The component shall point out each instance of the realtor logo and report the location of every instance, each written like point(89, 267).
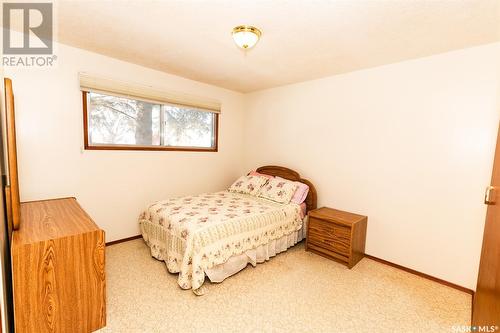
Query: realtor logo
point(28, 32)
point(35, 22)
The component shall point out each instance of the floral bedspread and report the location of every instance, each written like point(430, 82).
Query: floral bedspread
point(195, 233)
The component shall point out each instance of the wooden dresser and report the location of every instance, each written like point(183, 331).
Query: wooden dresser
point(337, 235)
point(58, 269)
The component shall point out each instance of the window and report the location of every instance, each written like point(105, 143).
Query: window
point(113, 122)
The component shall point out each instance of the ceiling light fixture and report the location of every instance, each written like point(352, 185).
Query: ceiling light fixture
point(246, 36)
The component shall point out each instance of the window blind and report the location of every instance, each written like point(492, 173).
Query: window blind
point(145, 93)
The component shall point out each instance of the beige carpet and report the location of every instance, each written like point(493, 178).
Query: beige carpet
point(296, 291)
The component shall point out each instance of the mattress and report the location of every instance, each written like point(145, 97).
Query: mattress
point(197, 233)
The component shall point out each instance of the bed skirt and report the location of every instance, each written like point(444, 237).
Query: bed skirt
point(255, 256)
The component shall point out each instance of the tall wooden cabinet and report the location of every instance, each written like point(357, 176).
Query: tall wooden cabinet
point(57, 256)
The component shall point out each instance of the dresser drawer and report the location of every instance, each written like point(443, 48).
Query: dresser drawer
point(331, 236)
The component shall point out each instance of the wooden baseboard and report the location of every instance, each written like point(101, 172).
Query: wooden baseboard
point(425, 276)
point(123, 240)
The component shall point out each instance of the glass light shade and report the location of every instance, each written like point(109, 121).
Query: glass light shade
point(246, 36)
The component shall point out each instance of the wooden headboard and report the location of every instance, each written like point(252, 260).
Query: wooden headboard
point(273, 170)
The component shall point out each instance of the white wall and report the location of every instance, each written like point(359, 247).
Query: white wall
point(409, 144)
point(113, 186)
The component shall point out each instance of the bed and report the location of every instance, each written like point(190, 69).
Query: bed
point(216, 235)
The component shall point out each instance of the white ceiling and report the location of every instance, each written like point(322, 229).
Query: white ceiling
point(301, 40)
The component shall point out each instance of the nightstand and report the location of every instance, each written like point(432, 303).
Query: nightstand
point(337, 235)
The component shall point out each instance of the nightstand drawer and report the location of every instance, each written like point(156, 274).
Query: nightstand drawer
point(325, 226)
point(327, 252)
point(330, 236)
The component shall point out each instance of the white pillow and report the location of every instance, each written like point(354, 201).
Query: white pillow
point(300, 194)
point(248, 185)
point(279, 190)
